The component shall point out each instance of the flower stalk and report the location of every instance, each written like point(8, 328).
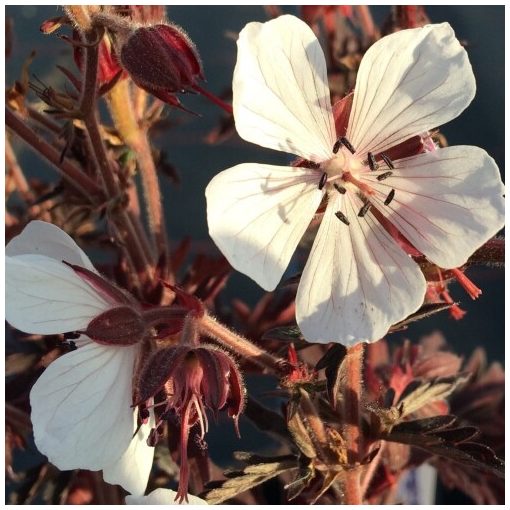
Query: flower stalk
point(124, 222)
point(352, 396)
point(120, 102)
point(212, 328)
point(81, 182)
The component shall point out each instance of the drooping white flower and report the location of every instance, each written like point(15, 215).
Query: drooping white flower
point(162, 497)
point(81, 405)
point(358, 281)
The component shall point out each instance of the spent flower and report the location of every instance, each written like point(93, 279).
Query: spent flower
point(194, 377)
point(379, 207)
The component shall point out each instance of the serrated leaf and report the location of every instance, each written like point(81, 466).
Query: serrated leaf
point(332, 363)
point(479, 456)
point(301, 437)
point(252, 475)
point(427, 310)
point(430, 391)
point(425, 425)
point(303, 478)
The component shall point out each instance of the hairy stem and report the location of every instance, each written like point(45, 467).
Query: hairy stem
point(134, 135)
point(123, 221)
point(351, 392)
point(240, 345)
point(81, 182)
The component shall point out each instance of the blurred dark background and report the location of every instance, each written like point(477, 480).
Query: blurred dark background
point(214, 29)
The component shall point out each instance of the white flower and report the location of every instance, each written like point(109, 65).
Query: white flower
point(162, 497)
point(357, 281)
point(81, 405)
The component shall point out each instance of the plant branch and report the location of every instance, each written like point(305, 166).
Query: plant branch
point(80, 181)
point(134, 135)
point(351, 392)
point(123, 221)
point(240, 345)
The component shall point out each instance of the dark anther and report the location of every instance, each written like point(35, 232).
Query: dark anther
point(371, 162)
point(337, 146)
point(346, 142)
point(341, 216)
point(339, 188)
point(322, 182)
point(383, 176)
point(72, 335)
point(364, 209)
point(389, 198)
point(387, 160)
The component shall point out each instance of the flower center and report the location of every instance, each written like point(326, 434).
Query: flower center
point(343, 171)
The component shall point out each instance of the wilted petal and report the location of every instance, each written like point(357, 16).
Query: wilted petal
point(81, 407)
point(257, 215)
point(45, 296)
point(357, 281)
point(133, 468)
point(162, 497)
point(280, 86)
point(447, 203)
point(43, 238)
point(409, 82)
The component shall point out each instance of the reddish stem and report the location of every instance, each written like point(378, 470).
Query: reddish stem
point(352, 389)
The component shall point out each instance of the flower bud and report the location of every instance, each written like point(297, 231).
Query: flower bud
point(161, 59)
point(122, 325)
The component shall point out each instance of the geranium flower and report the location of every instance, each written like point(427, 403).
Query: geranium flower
point(81, 405)
point(358, 280)
point(163, 497)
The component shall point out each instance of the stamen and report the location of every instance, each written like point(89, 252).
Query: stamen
point(383, 176)
point(364, 209)
point(341, 216)
point(322, 182)
point(387, 160)
point(339, 188)
point(466, 283)
point(372, 162)
point(348, 145)
point(337, 146)
point(389, 198)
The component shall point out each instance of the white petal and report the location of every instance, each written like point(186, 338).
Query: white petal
point(357, 281)
point(409, 82)
point(280, 88)
point(45, 296)
point(162, 497)
point(447, 202)
point(257, 215)
point(81, 407)
point(42, 238)
point(133, 468)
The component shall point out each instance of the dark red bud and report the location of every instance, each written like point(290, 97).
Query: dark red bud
point(158, 370)
point(119, 326)
point(161, 59)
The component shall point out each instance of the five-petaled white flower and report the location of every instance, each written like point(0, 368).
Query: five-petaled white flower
point(81, 405)
point(163, 497)
point(358, 281)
